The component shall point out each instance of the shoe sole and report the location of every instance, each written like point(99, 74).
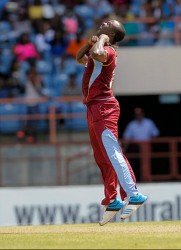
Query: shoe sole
point(109, 215)
point(129, 210)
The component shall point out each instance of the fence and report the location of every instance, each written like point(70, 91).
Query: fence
point(71, 162)
point(50, 114)
point(64, 162)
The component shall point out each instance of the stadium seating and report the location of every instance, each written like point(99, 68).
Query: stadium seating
point(6, 58)
point(42, 124)
point(12, 126)
point(54, 70)
point(59, 82)
point(44, 66)
point(75, 123)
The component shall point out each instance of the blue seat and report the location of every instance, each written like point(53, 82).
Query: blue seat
point(47, 81)
point(47, 55)
point(135, 8)
point(79, 78)
point(44, 66)
point(84, 11)
point(5, 26)
point(12, 126)
point(87, 14)
point(6, 59)
point(70, 66)
point(77, 123)
point(42, 124)
point(147, 38)
point(59, 82)
point(104, 9)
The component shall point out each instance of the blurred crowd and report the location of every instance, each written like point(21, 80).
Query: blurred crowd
point(39, 40)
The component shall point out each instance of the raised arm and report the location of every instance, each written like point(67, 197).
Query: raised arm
point(97, 51)
point(81, 56)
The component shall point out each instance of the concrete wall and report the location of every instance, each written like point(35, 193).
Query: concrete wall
point(148, 70)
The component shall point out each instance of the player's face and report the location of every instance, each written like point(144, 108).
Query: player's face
point(106, 25)
point(105, 28)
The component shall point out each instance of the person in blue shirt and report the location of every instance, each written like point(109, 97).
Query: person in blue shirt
point(141, 128)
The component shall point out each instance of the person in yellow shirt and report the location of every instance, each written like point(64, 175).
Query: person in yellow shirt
point(35, 10)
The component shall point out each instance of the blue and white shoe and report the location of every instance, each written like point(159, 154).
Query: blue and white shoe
point(132, 205)
point(111, 210)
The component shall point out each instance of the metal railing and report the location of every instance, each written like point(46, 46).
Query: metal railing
point(158, 160)
point(51, 116)
point(164, 151)
point(72, 162)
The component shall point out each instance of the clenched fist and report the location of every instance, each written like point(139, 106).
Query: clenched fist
point(93, 40)
point(105, 38)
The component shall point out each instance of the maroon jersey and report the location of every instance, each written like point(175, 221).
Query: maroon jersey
point(98, 77)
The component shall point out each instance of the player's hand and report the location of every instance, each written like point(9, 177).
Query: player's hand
point(104, 38)
point(93, 40)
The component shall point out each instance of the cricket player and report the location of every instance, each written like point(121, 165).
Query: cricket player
point(103, 110)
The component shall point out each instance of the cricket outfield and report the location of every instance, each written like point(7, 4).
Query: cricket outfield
point(126, 235)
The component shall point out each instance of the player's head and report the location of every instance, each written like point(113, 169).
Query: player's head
point(138, 113)
point(113, 29)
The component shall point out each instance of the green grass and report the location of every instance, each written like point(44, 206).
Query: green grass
point(128, 235)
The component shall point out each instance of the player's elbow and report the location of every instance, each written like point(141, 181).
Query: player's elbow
point(101, 57)
point(78, 60)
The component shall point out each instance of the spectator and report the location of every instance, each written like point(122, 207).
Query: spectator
point(25, 50)
point(16, 79)
point(165, 38)
point(140, 129)
point(35, 10)
point(44, 36)
point(177, 8)
point(71, 23)
point(59, 44)
point(21, 24)
point(4, 89)
point(162, 9)
point(75, 44)
point(72, 88)
point(33, 90)
point(2, 5)
point(57, 23)
point(11, 84)
point(48, 10)
point(146, 9)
